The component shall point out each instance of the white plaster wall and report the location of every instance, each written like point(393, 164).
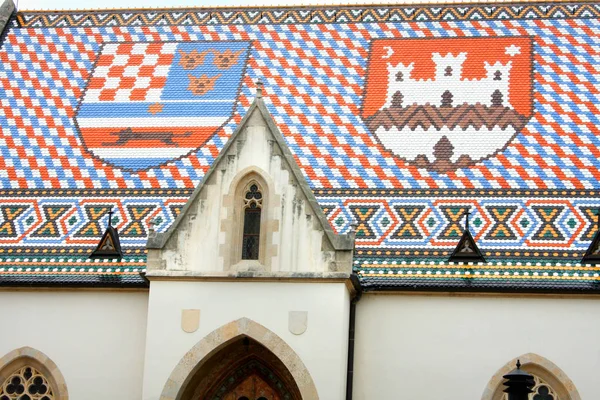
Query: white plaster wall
point(322, 348)
point(448, 347)
point(96, 338)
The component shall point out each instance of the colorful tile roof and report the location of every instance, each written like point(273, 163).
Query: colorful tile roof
point(400, 117)
point(69, 271)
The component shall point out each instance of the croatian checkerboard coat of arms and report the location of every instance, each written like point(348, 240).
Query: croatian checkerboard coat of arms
point(447, 103)
point(147, 103)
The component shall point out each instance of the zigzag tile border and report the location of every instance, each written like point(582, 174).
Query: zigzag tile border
point(79, 222)
point(420, 222)
point(496, 223)
point(316, 15)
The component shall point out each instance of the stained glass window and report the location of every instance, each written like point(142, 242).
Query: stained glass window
point(541, 391)
point(26, 384)
point(252, 213)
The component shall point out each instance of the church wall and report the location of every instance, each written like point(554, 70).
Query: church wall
point(442, 347)
point(322, 347)
point(96, 338)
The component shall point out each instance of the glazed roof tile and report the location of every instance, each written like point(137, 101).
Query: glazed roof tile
point(72, 272)
point(356, 92)
point(97, 280)
point(497, 275)
point(481, 285)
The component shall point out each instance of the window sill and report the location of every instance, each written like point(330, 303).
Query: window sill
point(248, 266)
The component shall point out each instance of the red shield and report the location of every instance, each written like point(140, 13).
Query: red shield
point(447, 103)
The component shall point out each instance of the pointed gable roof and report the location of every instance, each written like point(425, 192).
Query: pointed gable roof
point(339, 242)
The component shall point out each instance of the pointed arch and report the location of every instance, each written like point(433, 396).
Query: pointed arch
point(218, 339)
point(233, 223)
point(538, 366)
point(30, 357)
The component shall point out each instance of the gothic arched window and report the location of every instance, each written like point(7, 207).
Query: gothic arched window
point(541, 391)
point(252, 217)
point(550, 382)
point(26, 383)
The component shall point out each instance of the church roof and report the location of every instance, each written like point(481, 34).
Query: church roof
point(345, 242)
point(400, 117)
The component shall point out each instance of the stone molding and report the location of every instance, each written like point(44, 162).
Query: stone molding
point(254, 275)
point(193, 360)
point(27, 356)
point(7, 9)
point(232, 223)
point(538, 365)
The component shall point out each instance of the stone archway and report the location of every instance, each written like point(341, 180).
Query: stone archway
point(538, 366)
point(30, 357)
point(188, 378)
point(243, 369)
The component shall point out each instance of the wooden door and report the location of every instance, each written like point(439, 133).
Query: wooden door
point(252, 388)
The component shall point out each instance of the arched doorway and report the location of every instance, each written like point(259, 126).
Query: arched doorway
point(242, 370)
point(243, 359)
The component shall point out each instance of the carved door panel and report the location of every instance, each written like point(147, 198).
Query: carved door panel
point(244, 370)
point(252, 388)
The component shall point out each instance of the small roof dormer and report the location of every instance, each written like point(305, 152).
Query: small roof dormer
point(253, 212)
point(466, 250)
point(110, 245)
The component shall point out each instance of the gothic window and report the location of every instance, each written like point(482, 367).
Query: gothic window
point(26, 384)
point(252, 214)
point(541, 391)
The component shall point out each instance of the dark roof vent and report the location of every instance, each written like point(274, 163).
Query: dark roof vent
point(592, 255)
point(109, 246)
point(466, 250)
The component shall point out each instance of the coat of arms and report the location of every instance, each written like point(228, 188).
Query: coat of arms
point(147, 103)
point(443, 104)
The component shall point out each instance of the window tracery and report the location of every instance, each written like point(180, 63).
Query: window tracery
point(26, 383)
point(252, 216)
point(541, 391)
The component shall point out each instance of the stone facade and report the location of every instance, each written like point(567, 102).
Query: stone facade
point(296, 239)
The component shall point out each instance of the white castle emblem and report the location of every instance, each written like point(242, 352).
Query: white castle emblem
point(448, 121)
point(449, 79)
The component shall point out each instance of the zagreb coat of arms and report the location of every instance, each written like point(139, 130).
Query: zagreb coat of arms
point(147, 103)
point(447, 103)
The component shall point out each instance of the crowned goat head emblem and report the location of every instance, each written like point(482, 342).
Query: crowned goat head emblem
point(192, 59)
point(184, 93)
point(201, 85)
